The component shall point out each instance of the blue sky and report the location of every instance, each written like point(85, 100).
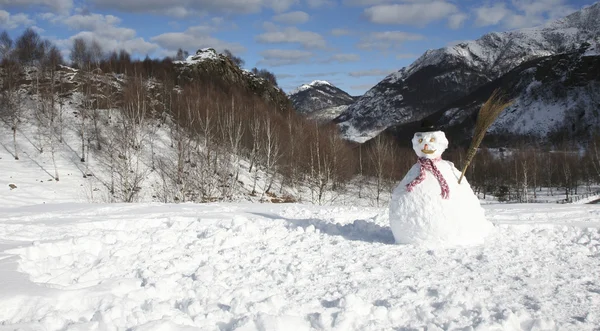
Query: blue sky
point(350, 43)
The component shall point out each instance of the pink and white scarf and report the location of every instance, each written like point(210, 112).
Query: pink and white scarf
point(427, 164)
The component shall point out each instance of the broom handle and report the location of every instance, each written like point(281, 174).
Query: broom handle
point(470, 155)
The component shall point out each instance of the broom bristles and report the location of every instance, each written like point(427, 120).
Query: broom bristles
point(488, 113)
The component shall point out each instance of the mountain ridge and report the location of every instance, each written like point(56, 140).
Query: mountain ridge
point(442, 76)
point(320, 100)
point(554, 97)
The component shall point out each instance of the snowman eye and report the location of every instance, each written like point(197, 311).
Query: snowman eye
point(420, 140)
point(432, 140)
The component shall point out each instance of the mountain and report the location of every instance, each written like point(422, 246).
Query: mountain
point(555, 96)
point(207, 63)
point(320, 100)
point(443, 76)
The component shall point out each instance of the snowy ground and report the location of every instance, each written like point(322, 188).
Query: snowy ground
point(291, 267)
point(66, 264)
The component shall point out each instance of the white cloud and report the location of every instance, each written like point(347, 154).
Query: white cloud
point(295, 17)
point(372, 72)
point(320, 3)
point(455, 21)
point(321, 74)
point(37, 29)
point(184, 8)
point(60, 6)
point(362, 87)
point(10, 21)
point(307, 39)
point(491, 15)
point(281, 57)
point(403, 56)
point(536, 7)
point(131, 45)
point(284, 76)
point(194, 38)
point(417, 14)
point(342, 58)
point(103, 29)
point(341, 32)
point(386, 40)
point(94, 22)
point(277, 5)
point(365, 2)
point(522, 13)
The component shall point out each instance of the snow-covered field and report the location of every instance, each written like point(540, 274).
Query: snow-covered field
point(68, 264)
point(291, 267)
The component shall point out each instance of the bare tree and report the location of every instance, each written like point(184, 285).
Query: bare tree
point(129, 137)
point(378, 154)
point(49, 120)
point(80, 55)
point(271, 152)
point(235, 59)
point(12, 111)
point(181, 55)
point(6, 45)
point(593, 151)
point(95, 54)
point(29, 47)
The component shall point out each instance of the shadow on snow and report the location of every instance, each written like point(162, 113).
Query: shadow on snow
point(359, 230)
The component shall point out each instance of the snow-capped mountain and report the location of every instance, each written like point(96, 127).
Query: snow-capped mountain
point(320, 99)
point(443, 76)
point(557, 95)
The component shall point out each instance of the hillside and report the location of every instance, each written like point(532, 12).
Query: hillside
point(320, 100)
point(443, 76)
point(555, 97)
point(108, 137)
point(208, 64)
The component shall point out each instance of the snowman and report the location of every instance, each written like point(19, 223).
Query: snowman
point(429, 207)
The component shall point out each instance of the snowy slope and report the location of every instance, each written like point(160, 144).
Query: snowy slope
point(442, 76)
point(319, 98)
point(204, 54)
point(290, 267)
point(328, 114)
point(552, 95)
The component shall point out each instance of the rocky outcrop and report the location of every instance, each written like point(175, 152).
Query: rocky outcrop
point(208, 64)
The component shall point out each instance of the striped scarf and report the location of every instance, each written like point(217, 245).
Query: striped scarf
point(427, 164)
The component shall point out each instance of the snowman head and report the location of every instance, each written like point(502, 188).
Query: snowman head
point(430, 143)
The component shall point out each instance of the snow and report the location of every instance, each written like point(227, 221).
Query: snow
point(351, 133)
point(328, 114)
point(538, 112)
point(593, 50)
point(69, 264)
point(319, 82)
point(492, 55)
point(312, 84)
point(421, 216)
point(200, 56)
point(236, 266)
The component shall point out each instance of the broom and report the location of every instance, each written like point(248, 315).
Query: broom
point(487, 115)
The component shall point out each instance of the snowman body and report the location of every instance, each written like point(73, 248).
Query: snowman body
point(421, 214)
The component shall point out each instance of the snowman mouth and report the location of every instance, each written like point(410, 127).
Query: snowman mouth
point(428, 151)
